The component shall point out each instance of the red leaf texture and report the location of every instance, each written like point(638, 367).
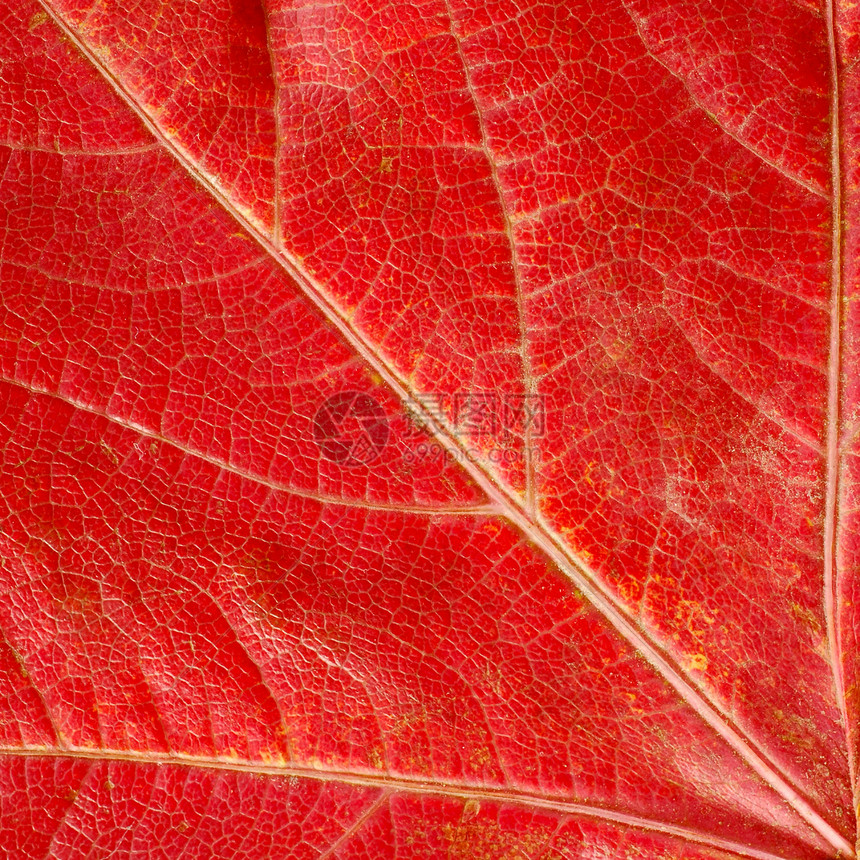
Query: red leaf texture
point(429, 430)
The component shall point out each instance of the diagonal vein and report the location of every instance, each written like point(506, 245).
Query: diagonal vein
point(388, 784)
point(814, 189)
point(770, 415)
point(533, 527)
point(356, 827)
point(68, 813)
point(55, 729)
point(253, 477)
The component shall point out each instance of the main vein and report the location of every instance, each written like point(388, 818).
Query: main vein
point(834, 392)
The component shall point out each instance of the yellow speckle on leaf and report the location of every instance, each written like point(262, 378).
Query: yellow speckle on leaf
point(274, 757)
point(696, 662)
point(111, 454)
point(471, 809)
point(376, 759)
point(491, 527)
point(478, 839)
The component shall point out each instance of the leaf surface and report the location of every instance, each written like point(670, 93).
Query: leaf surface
point(428, 430)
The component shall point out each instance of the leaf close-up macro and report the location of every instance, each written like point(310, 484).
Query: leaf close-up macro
point(429, 430)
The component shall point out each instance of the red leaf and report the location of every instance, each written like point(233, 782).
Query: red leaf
point(429, 430)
